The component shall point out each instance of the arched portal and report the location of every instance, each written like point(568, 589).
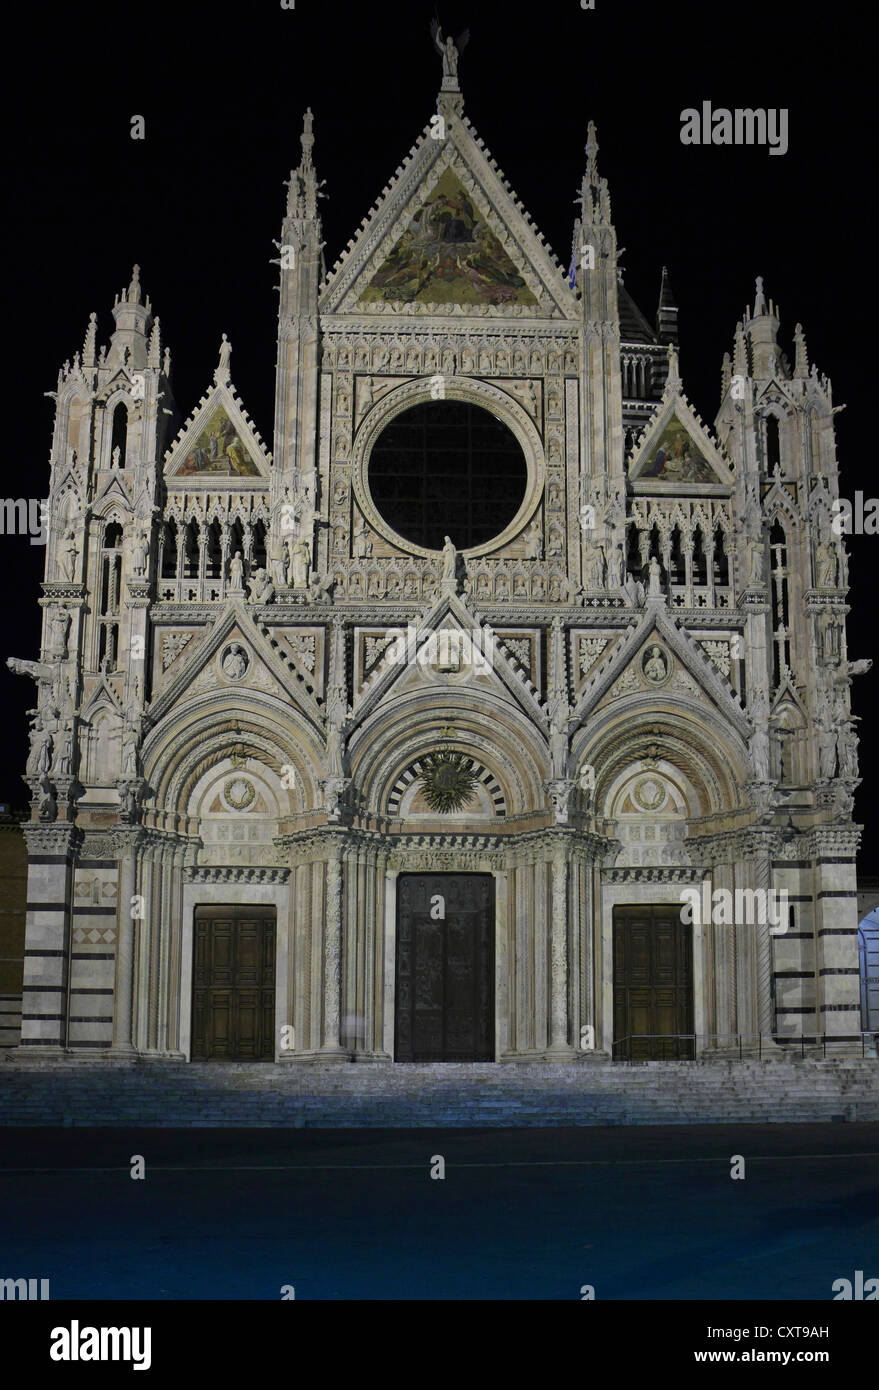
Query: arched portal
point(660, 778)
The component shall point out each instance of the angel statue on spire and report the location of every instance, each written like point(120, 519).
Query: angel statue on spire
point(449, 50)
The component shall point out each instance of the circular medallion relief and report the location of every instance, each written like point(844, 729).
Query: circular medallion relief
point(239, 793)
point(649, 794)
point(234, 662)
point(655, 665)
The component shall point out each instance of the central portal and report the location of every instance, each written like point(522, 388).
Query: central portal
point(445, 968)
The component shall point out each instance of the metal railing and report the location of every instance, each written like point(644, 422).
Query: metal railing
point(682, 1047)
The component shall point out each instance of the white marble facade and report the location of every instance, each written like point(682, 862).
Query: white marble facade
point(241, 670)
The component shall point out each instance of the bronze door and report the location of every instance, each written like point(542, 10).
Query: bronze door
point(445, 968)
point(652, 983)
point(233, 999)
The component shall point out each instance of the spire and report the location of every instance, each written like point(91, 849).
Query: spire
point(725, 376)
point(801, 356)
point(762, 331)
point(302, 189)
point(740, 352)
point(594, 195)
point(667, 313)
point(88, 347)
point(128, 344)
point(155, 346)
point(760, 300)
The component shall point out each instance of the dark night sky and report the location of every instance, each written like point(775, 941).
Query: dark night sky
point(198, 202)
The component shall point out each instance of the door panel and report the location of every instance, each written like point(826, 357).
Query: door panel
point(233, 1002)
point(445, 968)
point(652, 983)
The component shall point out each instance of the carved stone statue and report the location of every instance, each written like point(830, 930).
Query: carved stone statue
point(570, 591)
point(616, 568)
point(759, 746)
point(335, 742)
point(129, 754)
point(826, 565)
point(64, 755)
point(236, 572)
point(59, 623)
point(260, 586)
point(594, 566)
point(826, 749)
point(654, 589)
point(847, 750)
point(828, 629)
point(533, 541)
point(139, 552)
point(560, 790)
point(450, 559)
point(558, 746)
point(450, 52)
point(300, 563)
point(318, 588)
point(225, 352)
point(40, 759)
point(366, 397)
point(44, 757)
point(362, 544)
point(66, 554)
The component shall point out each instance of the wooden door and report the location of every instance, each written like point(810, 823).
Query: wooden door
point(652, 983)
point(233, 1001)
point(445, 968)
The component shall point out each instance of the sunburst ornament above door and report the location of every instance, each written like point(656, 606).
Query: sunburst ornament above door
point(447, 781)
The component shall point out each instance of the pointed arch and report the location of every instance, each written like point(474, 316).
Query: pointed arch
point(119, 432)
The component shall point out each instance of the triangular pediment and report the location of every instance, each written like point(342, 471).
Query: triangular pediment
point(449, 236)
point(787, 696)
point(218, 444)
point(238, 656)
point(657, 658)
point(450, 647)
point(775, 392)
point(780, 500)
point(114, 489)
point(675, 453)
point(102, 696)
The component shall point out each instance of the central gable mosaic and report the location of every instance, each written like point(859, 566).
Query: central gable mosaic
point(448, 255)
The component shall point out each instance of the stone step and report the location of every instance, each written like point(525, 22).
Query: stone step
point(41, 1092)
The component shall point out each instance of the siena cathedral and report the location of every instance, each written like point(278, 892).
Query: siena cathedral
point(410, 739)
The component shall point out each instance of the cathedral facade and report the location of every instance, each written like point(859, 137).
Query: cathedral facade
point(491, 714)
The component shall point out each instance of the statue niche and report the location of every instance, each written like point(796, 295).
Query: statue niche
point(102, 748)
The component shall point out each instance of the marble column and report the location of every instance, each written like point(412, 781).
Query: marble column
point(559, 1043)
point(332, 1045)
point(123, 1013)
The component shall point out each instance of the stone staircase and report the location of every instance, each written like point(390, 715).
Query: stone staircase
point(384, 1095)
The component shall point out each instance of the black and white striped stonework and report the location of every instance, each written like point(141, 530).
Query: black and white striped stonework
point(416, 770)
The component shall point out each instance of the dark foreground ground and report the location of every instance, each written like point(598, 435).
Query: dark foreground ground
point(640, 1213)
